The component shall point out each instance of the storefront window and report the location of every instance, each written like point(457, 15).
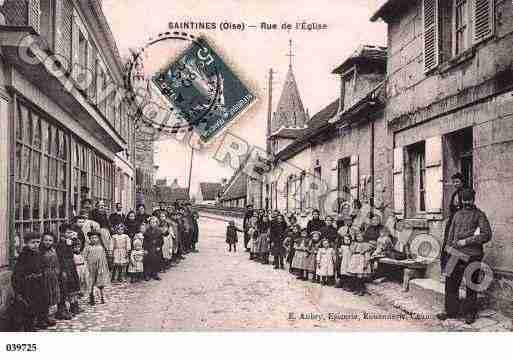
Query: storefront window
point(103, 177)
point(41, 173)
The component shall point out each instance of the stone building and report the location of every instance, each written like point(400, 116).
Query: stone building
point(65, 132)
point(449, 109)
point(341, 155)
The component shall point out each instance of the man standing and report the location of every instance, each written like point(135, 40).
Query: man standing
point(468, 232)
point(245, 225)
point(454, 206)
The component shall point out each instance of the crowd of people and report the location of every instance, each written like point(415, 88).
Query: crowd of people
point(341, 251)
point(95, 249)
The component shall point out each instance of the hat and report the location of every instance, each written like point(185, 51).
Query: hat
point(93, 232)
point(30, 236)
point(468, 194)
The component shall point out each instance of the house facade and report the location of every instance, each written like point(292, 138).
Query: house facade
point(343, 153)
point(66, 133)
point(449, 109)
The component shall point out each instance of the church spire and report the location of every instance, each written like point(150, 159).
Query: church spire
point(290, 111)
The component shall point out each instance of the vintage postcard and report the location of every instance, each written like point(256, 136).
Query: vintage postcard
point(178, 166)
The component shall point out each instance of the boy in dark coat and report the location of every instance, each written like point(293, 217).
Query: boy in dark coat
point(152, 245)
point(277, 234)
point(28, 285)
point(70, 282)
point(231, 236)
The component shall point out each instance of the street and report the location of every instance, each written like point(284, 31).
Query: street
point(218, 290)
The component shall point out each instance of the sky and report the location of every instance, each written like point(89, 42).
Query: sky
point(251, 53)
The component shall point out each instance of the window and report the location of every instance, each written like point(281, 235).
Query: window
point(103, 176)
point(349, 79)
point(344, 180)
point(80, 159)
point(41, 173)
point(460, 26)
point(452, 27)
point(416, 179)
point(82, 50)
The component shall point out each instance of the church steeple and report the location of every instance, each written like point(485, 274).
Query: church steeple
point(290, 111)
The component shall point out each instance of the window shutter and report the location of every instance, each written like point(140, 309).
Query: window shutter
point(431, 34)
point(334, 176)
point(63, 28)
point(75, 47)
point(34, 15)
point(399, 182)
point(434, 175)
point(353, 169)
point(91, 64)
point(483, 19)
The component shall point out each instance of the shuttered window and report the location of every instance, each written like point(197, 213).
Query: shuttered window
point(399, 182)
point(354, 176)
point(34, 15)
point(431, 34)
point(483, 11)
point(64, 27)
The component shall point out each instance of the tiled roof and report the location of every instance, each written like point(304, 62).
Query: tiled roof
point(170, 194)
point(390, 8)
point(237, 186)
point(210, 190)
point(363, 53)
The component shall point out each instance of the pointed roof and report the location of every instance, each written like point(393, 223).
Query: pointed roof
point(290, 110)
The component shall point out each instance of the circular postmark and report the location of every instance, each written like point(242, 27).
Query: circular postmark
point(191, 83)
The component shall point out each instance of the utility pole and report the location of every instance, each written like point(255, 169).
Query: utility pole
point(190, 172)
point(269, 110)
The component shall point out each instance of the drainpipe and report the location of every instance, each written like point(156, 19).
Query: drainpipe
point(372, 162)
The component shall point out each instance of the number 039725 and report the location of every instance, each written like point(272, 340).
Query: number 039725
point(21, 347)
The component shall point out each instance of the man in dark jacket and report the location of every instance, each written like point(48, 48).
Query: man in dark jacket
point(315, 224)
point(454, 206)
point(468, 232)
point(246, 223)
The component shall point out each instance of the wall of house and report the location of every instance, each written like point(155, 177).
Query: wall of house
point(471, 92)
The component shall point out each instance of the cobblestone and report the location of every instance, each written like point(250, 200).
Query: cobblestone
point(218, 290)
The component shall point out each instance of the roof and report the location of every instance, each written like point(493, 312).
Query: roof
point(290, 110)
point(389, 8)
point(210, 190)
point(367, 53)
point(237, 186)
point(169, 194)
point(289, 132)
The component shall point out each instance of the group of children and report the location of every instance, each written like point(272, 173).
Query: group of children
point(342, 253)
point(58, 271)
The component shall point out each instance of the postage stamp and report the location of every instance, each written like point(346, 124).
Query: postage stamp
point(203, 89)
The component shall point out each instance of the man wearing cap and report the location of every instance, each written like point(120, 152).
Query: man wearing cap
point(468, 232)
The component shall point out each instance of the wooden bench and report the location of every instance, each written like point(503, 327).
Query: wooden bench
point(411, 269)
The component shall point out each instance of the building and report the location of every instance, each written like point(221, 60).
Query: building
point(209, 193)
point(66, 133)
point(236, 190)
point(449, 109)
point(168, 196)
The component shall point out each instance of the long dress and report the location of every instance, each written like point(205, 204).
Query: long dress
point(83, 273)
point(311, 256)
point(298, 262)
point(254, 240)
point(51, 275)
point(136, 261)
point(153, 245)
point(325, 262)
point(167, 245)
point(359, 263)
point(96, 260)
point(120, 248)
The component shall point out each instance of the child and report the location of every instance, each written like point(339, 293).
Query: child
point(311, 254)
point(136, 266)
point(383, 244)
point(120, 248)
point(167, 245)
point(96, 260)
point(359, 267)
point(254, 234)
point(326, 262)
point(70, 283)
point(28, 285)
point(82, 270)
point(152, 244)
point(290, 243)
point(344, 253)
point(51, 270)
point(231, 236)
point(300, 253)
